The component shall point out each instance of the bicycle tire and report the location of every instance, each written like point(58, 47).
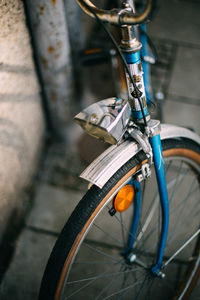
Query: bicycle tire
point(179, 154)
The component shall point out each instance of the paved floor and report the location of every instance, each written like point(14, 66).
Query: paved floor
point(176, 33)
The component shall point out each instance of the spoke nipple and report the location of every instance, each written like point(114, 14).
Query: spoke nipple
point(161, 274)
point(125, 4)
point(156, 271)
point(132, 257)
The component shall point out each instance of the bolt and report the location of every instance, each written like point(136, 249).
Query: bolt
point(159, 96)
point(131, 258)
point(93, 118)
point(161, 274)
point(137, 78)
point(139, 178)
point(125, 4)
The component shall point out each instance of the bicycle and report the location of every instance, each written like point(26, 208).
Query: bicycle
point(135, 234)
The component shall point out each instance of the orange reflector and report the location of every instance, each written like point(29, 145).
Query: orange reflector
point(124, 198)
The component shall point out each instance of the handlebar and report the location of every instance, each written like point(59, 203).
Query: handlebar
point(116, 16)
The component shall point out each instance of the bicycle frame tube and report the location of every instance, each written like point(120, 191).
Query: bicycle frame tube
point(136, 215)
point(162, 186)
point(145, 65)
point(134, 63)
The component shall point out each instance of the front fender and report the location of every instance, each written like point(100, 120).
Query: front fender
point(111, 160)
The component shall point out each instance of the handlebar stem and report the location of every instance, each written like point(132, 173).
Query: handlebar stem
point(128, 42)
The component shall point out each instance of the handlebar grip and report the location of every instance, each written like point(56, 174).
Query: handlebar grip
point(115, 16)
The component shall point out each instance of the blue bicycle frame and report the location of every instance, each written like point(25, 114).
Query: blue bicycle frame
point(155, 141)
point(145, 64)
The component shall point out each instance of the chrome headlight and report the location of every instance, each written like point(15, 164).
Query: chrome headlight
point(107, 119)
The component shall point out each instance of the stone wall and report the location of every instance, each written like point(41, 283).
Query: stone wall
point(49, 29)
point(21, 116)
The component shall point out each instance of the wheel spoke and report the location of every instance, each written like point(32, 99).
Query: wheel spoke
point(107, 234)
point(182, 247)
point(107, 287)
point(177, 180)
point(101, 252)
point(92, 280)
point(123, 225)
point(125, 289)
point(122, 231)
point(179, 224)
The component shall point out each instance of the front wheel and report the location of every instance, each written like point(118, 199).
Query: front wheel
point(88, 261)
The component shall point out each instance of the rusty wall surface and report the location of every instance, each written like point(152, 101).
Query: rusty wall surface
point(50, 34)
point(21, 117)
point(76, 29)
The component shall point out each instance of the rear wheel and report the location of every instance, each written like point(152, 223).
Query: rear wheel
point(87, 259)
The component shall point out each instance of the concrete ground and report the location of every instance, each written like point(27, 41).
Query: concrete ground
point(176, 34)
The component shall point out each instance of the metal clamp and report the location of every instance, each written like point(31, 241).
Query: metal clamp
point(143, 141)
point(145, 173)
point(153, 128)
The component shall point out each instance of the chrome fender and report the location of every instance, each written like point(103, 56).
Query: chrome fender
point(111, 160)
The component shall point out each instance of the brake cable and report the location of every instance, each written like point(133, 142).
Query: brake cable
point(122, 59)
